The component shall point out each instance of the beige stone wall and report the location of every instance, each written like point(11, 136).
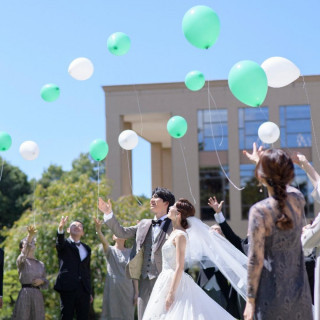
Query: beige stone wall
point(158, 102)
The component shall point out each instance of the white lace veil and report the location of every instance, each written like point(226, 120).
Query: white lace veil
point(211, 249)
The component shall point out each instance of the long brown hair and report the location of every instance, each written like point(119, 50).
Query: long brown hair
point(277, 169)
point(186, 210)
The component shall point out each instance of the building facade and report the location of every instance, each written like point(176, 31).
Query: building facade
point(209, 159)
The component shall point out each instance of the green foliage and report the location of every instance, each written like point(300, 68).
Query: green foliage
point(75, 195)
point(11, 287)
point(14, 194)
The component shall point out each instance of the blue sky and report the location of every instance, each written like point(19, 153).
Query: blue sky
point(39, 39)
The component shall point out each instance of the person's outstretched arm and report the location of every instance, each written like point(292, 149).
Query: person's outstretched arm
point(226, 229)
point(103, 240)
point(60, 243)
point(112, 222)
point(180, 243)
point(32, 231)
point(314, 177)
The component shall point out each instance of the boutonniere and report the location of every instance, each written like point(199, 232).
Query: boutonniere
point(167, 236)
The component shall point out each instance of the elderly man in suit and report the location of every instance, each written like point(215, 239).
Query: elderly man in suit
point(73, 281)
point(150, 235)
point(1, 275)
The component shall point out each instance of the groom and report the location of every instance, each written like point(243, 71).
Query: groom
point(150, 235)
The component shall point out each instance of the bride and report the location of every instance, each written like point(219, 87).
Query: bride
point(175, 294)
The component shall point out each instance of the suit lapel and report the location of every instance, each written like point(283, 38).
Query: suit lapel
point(74, 248)
point(165, 229)
point(143, 233)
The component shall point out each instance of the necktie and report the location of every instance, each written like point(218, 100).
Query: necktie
point(77, 244)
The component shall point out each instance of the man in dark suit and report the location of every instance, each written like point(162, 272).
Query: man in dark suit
point(73, 281)
point(150, 235)
point(1, 275)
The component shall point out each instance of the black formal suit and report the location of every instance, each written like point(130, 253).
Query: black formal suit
point(243, 246)
point(222, 292)
point(1, 271)
point(73, 281)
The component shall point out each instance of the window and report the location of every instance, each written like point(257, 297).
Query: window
point(302, 183)
point(213, 182)
point(250, 120)
point(213, 130)
point(295, 129)
point(252, 192)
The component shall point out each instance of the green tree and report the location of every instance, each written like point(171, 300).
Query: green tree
point(53, 173)
point(74, 195)
point(14, 194)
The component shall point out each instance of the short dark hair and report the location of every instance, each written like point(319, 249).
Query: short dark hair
point(165, 194)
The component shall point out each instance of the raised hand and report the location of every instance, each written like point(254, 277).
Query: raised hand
point(255, 155)
point(31, 231)
point(215, 205)
point(298, 158)
point(62, 223)
point(98, 224)
point(105, 207)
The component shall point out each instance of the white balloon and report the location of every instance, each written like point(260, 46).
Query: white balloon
point(269, 132)
point(29, 150)
point(280, 71)
point(128, 139)
point(81, 69)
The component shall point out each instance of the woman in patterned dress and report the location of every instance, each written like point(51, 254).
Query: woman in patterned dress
point(278, 287)
point(32, 275)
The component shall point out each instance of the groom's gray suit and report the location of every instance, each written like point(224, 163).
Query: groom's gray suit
point(152, 257)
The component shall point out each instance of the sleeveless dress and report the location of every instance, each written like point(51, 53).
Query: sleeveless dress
point(282, 290)
point(190, 303)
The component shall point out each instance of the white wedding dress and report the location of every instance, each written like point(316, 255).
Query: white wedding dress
point(190, 303)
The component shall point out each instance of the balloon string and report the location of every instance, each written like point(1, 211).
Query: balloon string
point(215, 147)
point(185, 164)
point(33, 208)
point(1, 168)
point(98, 189)
point(214, 102)
point(312, 124)
point(137, 199)
point(139, 107)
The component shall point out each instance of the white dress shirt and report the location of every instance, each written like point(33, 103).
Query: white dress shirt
point(82, 250)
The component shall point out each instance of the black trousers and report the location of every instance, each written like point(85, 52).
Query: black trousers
point(77, 301)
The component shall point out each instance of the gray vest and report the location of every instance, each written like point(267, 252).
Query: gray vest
point(149, 268)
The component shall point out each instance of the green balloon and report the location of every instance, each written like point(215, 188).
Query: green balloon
point(201, 26)
point(98, 149)
point(177, 127)
point(194, 80)
point(248, 83)
point(5, 141)
point(118, 43)
point(50, 92)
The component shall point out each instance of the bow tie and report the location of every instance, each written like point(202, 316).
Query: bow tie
point(158, 222)
point(77, 244)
